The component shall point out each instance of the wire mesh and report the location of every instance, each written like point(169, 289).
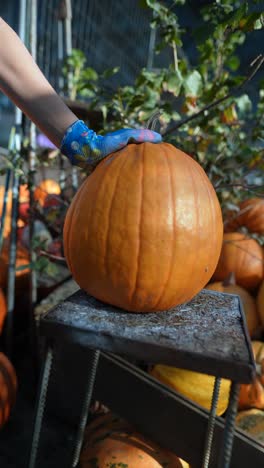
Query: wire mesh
point(110, 34)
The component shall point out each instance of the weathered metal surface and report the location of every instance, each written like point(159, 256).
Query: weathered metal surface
point(207, 334)
point(166, 416)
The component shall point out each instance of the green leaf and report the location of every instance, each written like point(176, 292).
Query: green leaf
point(193, 84)
point(89, 74)
point(244, 104)
point(233, 62)
point(174, 83)
point(259, 23)
point(110, 72)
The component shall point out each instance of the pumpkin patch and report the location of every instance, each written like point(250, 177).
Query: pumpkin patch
point(136, 233)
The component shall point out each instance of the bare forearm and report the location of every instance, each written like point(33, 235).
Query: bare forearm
point(23, 82)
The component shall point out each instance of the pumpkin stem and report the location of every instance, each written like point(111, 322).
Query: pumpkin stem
point(152, 121)
point(230, 279)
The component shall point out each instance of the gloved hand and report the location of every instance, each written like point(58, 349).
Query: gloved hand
point(84, 147)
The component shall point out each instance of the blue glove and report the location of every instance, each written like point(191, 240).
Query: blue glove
point(84, 147)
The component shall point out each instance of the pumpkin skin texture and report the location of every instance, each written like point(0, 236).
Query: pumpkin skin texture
point(193, 385)
point(136, 233)
point(252, 395)
point(8, 388)
point(250, 215)
point(247, 300)
point(252, 422)
point(3, 310)
point(45, 188)
point(260, 303)
point(111, 441)
point(244, 257)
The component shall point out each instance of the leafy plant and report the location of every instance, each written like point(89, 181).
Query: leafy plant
point(205, 108)
point(82, 80)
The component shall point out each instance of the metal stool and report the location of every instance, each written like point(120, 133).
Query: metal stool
point(206, 335)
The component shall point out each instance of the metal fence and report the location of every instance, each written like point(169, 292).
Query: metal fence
point(110, 33)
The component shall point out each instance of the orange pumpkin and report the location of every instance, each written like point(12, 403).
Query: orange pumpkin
point(252, 395)
point(111, 441)
point(247, 300)
point(23, 199)
point(136, 233)
point(8, 388)
point(244, 257)
point(260, 303)
point(45, 188)
point(22, 276)
point(250, 215)
point(2, 310)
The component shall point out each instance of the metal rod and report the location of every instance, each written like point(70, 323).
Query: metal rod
point(31, 183)
point(68, 51)
point(151, 50)
point(41, 403)
point(229, 430)
point(94, 358)
point(14, 210)
point(211, 424)
point(60, 57)
point(6, 189)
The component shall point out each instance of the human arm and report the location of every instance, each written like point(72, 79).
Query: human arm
point(26, 86)
point(24, 83)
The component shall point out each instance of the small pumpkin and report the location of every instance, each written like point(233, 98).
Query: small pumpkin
point(252, 395)
point(250, 215)
point(111, 441)
point(44, 188)
point(23, 199)
point(3, 310)
point(193, 385)
point(248, 302)
point(243, 256)
point(8, 388)
point(22, 261)
point(136, 233)
point(260, 303)
point(252, 422)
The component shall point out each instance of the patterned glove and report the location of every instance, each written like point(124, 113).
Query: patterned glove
point(84, 147)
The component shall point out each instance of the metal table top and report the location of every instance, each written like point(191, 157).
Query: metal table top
point(207, 334)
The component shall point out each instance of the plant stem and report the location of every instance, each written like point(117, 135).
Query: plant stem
point(175, 57)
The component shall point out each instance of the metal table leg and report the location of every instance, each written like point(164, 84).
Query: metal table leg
point(229, 429)
point(211, 424)
point(92, 368)
point(41, 406)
